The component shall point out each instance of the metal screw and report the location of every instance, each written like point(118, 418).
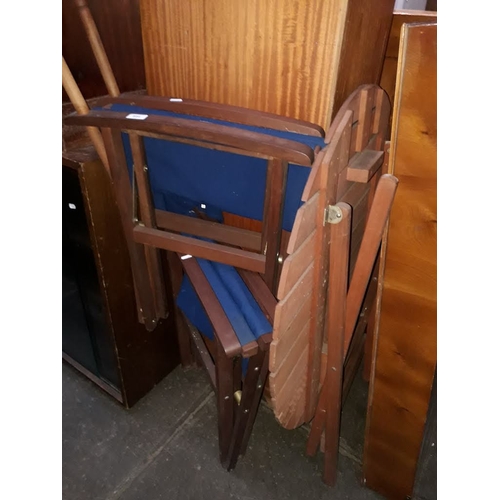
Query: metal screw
point(259, 386)
point(338, 215)
point(227, 397)
point(256, 368)
point(245, 411)
point(280, 259)
point(145, 168)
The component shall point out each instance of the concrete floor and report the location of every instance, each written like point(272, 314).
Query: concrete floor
point(166, 447)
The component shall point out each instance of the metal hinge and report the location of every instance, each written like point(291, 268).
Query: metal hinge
point(333, 214)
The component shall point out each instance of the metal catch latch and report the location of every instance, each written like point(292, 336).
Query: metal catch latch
point(333, 214)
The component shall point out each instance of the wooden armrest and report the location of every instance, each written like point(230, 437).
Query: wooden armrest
point(222, 327)
point(257, 286)
point(156, 125)
point(217, 111)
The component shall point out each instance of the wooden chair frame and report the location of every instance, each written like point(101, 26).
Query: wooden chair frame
point(254, 254)
point(353, 155)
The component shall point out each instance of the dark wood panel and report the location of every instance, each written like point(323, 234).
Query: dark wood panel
point(365, 38)
point(405, 340)
point(143, 357)
point(119, 25)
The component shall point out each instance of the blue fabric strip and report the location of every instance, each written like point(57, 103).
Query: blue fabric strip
point(188, 302)
point(243, 299)
point(244, 314)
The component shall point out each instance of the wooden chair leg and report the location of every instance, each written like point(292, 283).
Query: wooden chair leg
point(224, 393)
point(261, 385)
point(184, 340)
point(337, 293)
point(370, 331)
point(328, 411)
point(317, 425)
point(253, 387)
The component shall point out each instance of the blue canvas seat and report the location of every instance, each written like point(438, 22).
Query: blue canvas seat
point(240, 306)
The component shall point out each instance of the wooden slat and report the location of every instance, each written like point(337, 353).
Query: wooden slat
point(363, 165)
point(261, 293)
point(304, 224)
point(313, 181)
point(405, 344)
point(381, 121)
point(287, 309)
point(198, 248)
point(370, 244)
point(327, 414)
point(287, 365)
point(335, 160)
point(337, 288)
point(272, 219)
point(296, 333)
point(224, 396)
point(222, 326)
point(204, 355)
point(221, 233)
point(155, 269)
point(295, 265)
point(254, 142)
point(123, 192)
point(216, 111)
point(285, 337)
point(366, 117)
point(290, 399)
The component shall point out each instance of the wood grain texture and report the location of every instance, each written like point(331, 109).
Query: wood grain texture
point(303, 283)
point(119, 25)
point(282, 56)
point(404, 354)
point(389, 69)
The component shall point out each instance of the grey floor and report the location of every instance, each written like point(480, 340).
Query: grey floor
point(165, 447)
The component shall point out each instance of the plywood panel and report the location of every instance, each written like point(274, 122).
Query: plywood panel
point(405, 341)
point(281, 56)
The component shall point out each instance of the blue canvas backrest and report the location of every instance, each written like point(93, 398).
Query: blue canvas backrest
point(185, 175)
point(191, 166)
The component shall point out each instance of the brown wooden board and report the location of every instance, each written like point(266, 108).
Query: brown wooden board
point(389, 71)
point(404, 354)
point(281, 57)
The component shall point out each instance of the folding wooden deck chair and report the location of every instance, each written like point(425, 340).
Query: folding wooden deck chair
point(186, 174)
